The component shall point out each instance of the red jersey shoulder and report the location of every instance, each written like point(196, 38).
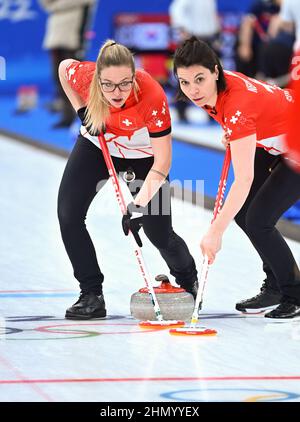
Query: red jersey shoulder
point(239, 107)
point(148, 86)
point(292, 138)
point(154, 105)
point(239, 82)
point(79, 76)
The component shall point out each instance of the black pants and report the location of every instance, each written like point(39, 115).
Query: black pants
point(272, 193)
point(85, 172)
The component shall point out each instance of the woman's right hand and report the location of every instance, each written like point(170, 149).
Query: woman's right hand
point(132, 222)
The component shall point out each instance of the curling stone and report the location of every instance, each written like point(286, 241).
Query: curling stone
point(174, 302)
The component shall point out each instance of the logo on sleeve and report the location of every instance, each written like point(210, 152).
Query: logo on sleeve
point(234, 119)
point(228, 132)
point(237, 123)
point(238, 119)
point(158, 116)
point(71, 72)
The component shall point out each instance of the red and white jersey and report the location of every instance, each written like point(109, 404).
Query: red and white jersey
point(293, 137)
point(129, 128)
point(249, 107)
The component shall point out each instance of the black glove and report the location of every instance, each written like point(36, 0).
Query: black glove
point(81, 114)
point(133, 222)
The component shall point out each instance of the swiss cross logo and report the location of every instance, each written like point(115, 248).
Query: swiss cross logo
point(236, 116)
point(71, 72)
point(127, 122)
point(228, 131)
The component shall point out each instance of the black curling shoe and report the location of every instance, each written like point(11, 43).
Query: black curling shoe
point(88, 306)
point(285, 312)
point(267, 298)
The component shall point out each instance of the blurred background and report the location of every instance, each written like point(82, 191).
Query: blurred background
point(36, 35)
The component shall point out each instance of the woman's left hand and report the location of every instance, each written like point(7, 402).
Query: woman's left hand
point(210, 244)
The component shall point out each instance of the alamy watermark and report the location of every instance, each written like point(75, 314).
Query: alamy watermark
point(188, 191)
point(2, 69)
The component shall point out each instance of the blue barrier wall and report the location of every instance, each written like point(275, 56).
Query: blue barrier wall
point(22, 27)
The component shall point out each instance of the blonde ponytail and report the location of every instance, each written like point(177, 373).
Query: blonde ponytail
point(110, 54)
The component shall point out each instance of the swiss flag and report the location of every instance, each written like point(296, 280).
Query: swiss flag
point(127, 122)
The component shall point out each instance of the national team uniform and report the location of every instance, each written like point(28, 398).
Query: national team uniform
point(128, 133)
point(128, 130)
point(293, 133)
point(250, 107)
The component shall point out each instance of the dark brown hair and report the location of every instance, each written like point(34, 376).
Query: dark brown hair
point(193, 51)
